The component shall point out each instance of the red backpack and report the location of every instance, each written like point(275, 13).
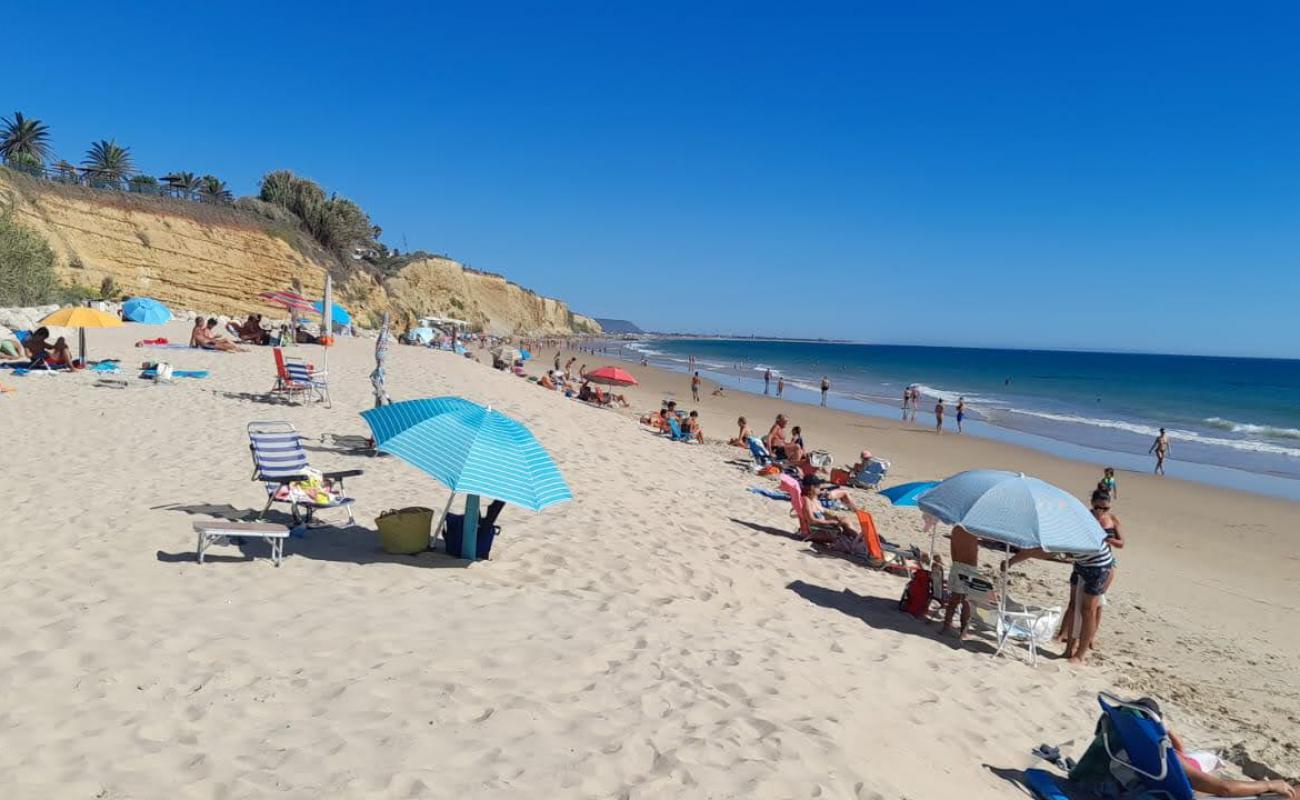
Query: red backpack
point(916, 597)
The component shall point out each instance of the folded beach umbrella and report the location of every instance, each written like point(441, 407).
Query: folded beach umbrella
point(146, 310)
point(339, 313)
point(470, 449)
point(80, 317)
point(611, 376)
point(1014, 509)
point(905, 494)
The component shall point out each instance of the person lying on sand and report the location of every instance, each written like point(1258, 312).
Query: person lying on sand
point(742, 438)
point(545, 382)
point(1200, 769)
point(12, 350)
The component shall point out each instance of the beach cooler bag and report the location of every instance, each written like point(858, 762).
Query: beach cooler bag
point(406, 530)
point(916, 595)
point(840, 477)
point(453, 534)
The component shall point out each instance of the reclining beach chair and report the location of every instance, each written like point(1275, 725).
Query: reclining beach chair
point(279, 461)
point(871, 474)
point(293, 378)
point(677, 434)
point(762, 458)
point(1132, 754)
point(1137, 742)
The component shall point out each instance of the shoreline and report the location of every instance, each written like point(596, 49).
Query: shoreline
point(1261, 483)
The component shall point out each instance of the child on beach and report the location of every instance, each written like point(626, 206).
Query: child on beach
point(1108, 483)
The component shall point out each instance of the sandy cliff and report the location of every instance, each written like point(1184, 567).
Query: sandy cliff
point(217, 260)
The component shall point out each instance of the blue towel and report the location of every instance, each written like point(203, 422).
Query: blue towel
point(1043, 784)
point(771, 494)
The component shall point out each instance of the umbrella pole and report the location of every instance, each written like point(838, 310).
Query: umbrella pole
point(469, 536)
point(1006, 580)
point(81, 345)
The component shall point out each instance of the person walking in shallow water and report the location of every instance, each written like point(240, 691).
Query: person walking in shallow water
point(780, 385)
point(961, 412)
point(767, 380)
point(938, 416)
point(1160, 447)
point(826, 387)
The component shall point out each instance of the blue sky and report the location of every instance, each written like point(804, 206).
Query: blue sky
point(1105, 176)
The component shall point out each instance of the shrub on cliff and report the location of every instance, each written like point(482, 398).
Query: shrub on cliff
point(337, 223)
point(26, 266)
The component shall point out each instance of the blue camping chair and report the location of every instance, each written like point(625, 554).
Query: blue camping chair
point(676, 432)
point(279, 461)
point(761, 457)
point(1145, 748)
point(871, 474)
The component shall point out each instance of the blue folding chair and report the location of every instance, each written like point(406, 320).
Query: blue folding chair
point(756, 449)
point(1141, 743)
point(676, 432)
point(279, 461)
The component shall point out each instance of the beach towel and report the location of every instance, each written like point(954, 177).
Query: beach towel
point(771, 494)
point(173, 346)
point(177, 373)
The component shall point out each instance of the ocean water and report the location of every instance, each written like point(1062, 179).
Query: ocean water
point(1236, 413)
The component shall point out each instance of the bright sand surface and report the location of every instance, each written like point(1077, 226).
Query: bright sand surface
point(659, 636)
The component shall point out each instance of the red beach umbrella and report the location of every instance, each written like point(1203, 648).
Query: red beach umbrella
point(290, 300)
point(611, 376)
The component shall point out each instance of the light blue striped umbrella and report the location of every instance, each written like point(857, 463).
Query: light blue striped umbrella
point(1015, 509)
point(470, 449)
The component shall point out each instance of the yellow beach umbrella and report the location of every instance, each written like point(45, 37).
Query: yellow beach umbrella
point(80, 317)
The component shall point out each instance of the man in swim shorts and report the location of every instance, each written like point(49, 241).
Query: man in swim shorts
point(963, 578)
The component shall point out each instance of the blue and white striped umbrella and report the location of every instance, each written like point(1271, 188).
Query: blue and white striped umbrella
point(1015, 509)
point(470, 449)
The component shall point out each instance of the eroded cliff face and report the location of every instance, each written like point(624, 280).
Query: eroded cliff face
point(210, 259)
point(440, 287)
point(217, 260)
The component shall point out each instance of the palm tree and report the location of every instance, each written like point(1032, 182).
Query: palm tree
point(184, 181)
point(213, 188)
point(24, 136)
point(108, 160)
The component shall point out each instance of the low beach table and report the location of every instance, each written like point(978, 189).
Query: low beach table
point(210, 531)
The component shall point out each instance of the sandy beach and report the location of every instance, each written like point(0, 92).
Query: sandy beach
point(661, 635)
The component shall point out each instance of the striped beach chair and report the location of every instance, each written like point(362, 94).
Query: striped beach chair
point(279, 462)
point(293, 378)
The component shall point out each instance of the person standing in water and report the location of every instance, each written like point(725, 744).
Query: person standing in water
point(767, 380)
point(695, 387)
point(938, 416)
point(780, 385)
point(826, 387)
point(1160, 447)
point(907, 401)
point(961, 411)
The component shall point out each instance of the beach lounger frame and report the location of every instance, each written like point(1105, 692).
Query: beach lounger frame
point(279, 459)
